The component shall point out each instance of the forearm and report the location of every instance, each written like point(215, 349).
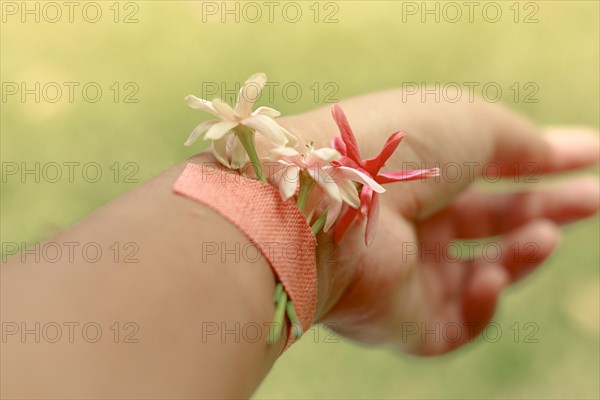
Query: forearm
point(174, 294)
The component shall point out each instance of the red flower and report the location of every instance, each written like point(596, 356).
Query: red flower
point(369, 200)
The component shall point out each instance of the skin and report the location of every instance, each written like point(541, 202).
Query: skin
point(370, 294)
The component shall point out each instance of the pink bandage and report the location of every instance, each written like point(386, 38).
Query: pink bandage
point(277, 228)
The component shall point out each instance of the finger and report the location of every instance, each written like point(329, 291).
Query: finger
point(476, 214)
point(522, 250)
point(573, 147)
point(482, 290)
point(565, 148)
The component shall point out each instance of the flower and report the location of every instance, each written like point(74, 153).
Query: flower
point(220, 131)
point(369, 199)
point(336, 182)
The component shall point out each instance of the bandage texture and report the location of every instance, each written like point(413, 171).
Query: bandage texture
point(277, 228)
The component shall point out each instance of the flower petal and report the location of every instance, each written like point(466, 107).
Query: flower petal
point(249, 94)
point(333, 212)
point(366, 194)
point(344, 223)
point(356, 176)
point(346, 162)
point(321, 156)
point(325, 181)
point(220, 129)
point(347, 134)
point(268, 128)
point(292, 141)
point(239, 157)
point(349, 193)
point(409, 175)
point(315, 198)
point(338, 144)
point(288, 182)
point(372, 220)
point(287, 155)
point(267, 111)
point(201, 104)
point(219, 150)
point(199, 130)
point(224, 110)
point(373, 165)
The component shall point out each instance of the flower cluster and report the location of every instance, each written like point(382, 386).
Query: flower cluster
point(333, 186)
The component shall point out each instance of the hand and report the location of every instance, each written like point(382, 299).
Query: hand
point(408, 281)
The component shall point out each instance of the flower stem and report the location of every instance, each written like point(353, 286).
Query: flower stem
point(296, 326)
point(319, 223)
point(246, 138)
point(278, 291)
point(306, 185)
point(278, 318)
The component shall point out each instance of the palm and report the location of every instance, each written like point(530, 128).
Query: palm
point(404, 286)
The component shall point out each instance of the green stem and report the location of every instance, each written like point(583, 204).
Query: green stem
point(278, 318)
point(278, 291)
point(306, 185)
point(246, 138)
point(296, 326)
point(319, 223)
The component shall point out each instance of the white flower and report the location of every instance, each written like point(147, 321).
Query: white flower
point(337, 182)
point(219, 131)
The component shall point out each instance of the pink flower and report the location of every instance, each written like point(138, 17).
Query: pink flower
point(369, 200)
point(336, 182)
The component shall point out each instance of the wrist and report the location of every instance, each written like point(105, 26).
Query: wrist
point(337, 267)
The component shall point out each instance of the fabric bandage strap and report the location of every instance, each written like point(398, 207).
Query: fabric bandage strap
point(277, 228)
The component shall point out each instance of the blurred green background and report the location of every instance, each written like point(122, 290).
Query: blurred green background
point(169, 49)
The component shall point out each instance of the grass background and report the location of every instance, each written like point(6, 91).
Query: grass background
point(170, 51)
